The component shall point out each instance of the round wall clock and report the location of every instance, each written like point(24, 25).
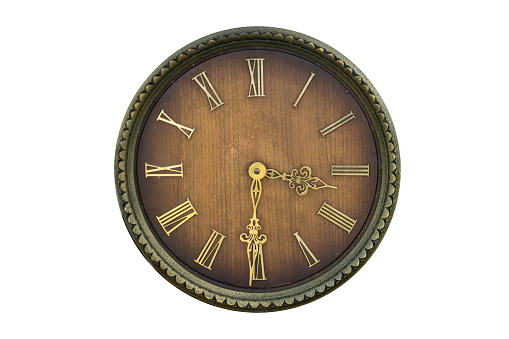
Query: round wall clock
point(257, 169)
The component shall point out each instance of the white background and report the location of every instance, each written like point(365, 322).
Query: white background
point(69, 70)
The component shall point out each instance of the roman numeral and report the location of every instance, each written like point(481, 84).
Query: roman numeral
point(203, 81)
point(166, 118)
point(167, 171)
point(257, 270)
point(337, 124)
point(256, 88)
point(305, 249)
point(172, 219)
point(209, 252)
point(336, 217)
point(304, 89)
point(357, 170)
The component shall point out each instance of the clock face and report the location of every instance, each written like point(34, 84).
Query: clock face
point(257, 170)
point(268, 106)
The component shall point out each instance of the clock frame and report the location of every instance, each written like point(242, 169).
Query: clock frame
point(127, 173)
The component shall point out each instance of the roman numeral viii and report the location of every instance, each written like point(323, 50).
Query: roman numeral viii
point(209, 252)
point(172, 219)
point(256, 86)
point(336, 217)
point(203, 81)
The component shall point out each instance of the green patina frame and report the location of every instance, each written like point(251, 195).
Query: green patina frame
point(172, 68)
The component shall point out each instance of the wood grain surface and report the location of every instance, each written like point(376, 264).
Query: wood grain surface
point(269, 129)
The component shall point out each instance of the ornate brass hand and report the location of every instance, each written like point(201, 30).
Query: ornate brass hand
point(301, 182)
point(254, 241)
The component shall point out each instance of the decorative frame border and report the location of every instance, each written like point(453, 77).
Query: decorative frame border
point(158, 82)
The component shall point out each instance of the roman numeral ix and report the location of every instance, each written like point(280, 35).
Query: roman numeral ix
point(166, 171)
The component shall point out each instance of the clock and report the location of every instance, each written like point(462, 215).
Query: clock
point(257, 169)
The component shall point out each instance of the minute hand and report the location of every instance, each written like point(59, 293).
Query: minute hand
point(252, 238)
point(300, 181)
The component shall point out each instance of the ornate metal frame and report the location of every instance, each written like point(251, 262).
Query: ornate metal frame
point(158, 82)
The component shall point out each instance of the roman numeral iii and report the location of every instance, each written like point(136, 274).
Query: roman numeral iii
point(336, 217)
point(174, 218)
point(305, 249)
point(357, 170)
point(166, 118)
point(209, 252)
point(203, 81)
point(337, 124)
point(256, 86)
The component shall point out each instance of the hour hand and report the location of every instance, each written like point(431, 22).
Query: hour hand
point(300, 180)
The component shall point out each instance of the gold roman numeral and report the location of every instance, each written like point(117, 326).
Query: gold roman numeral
point(256, 86)
point(258, 267)
point(203, 81)
point(209, 252)
point(304, 89)
point(357, 170)
point(166, 118)
point(337, 124)
point(305, 249)
point(172, 219)
point(336, 217)
point(166, 171)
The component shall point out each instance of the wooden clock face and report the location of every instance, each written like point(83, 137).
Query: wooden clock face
point(257, 169)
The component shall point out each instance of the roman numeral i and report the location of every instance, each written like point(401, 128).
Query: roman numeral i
point(304, 89)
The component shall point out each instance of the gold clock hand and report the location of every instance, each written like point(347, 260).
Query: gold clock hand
point(300, 181)
point(255, 241)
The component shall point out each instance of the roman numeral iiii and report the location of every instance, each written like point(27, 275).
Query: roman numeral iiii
point(336, 217)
